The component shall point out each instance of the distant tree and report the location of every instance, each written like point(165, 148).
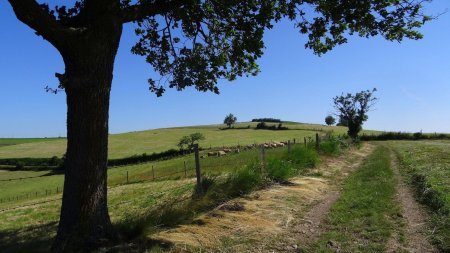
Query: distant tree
point(330, 120)
point(189, 141)
point(184, 142)
point(229, 120)
point(195, 137)
point(354, 109)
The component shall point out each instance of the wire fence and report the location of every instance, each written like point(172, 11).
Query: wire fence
point(186, 169)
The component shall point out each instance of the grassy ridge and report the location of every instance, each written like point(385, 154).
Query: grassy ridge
point(16, 141)
point(362, 219)
point(426, 165)
point(158, 140)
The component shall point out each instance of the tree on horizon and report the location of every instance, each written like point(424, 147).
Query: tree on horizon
point(229, 120)
point(330, 120)
point(353, 109)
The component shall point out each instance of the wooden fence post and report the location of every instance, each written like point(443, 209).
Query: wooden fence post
point(185, 170)
point(304, 139)
point(289, 147)
point(127, 176)
point(153, 174)
point(294, 140)
point(317, 142)
point(197, 170)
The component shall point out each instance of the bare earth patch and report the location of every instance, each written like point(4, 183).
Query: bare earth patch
point(279, 219)
point(414, 218)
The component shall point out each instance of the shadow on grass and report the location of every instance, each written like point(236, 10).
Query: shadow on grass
point(217, 190)
point(36, 238)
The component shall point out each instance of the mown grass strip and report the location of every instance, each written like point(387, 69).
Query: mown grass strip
point(426, 166)
point(362, 219)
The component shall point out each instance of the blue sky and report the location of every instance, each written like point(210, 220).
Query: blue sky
point(412, 78)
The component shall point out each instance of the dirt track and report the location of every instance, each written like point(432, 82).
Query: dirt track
point(279, 219)
point(285, 218)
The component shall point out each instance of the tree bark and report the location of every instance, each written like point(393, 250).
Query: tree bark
point(84, 220)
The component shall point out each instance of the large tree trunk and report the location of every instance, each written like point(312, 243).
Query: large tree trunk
point(84, 221)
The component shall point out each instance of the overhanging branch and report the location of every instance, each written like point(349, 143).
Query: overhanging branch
point(149, 8)
point(31, 14)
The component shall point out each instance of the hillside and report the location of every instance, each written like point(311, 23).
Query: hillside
point(157, 140)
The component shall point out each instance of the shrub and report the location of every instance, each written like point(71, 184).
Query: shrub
point(403, 136)
point(279, 170)
point(263, 125)
point(418, 135)
point(20, 165)
point(332, 145)
point(267, 120)
point(244, 180)
point(304, 157)
point(208, 181)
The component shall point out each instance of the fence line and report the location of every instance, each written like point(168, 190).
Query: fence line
point(153, 161)
point(142, 178)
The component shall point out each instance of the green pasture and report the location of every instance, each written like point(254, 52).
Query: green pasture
point(43, 184)
point(16, 141)
point(158, 140)
point(32, 228)
point(30, 223)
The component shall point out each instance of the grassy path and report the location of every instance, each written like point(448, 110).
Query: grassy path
point(425, 167)
point(271, 220)
point(376, 212)
point(363, 218)
point(412, 238)
point(359, 203)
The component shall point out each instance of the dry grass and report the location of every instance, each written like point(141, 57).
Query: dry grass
point(268, 220)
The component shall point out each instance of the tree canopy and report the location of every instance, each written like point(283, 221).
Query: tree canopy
point(353, 109)
point(330, 120)
point(190, 140)
point(229, 120)
point(196, 43)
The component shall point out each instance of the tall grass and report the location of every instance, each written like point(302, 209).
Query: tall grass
point(219, 188)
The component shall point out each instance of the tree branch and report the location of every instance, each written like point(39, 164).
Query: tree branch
point(149, 8)
point(34, 16)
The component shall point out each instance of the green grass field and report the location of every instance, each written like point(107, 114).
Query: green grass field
point(158, 140)
point(30, 223)
point(365, 212)
point(17, 141)
point(42, 184)
point(426, 166)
